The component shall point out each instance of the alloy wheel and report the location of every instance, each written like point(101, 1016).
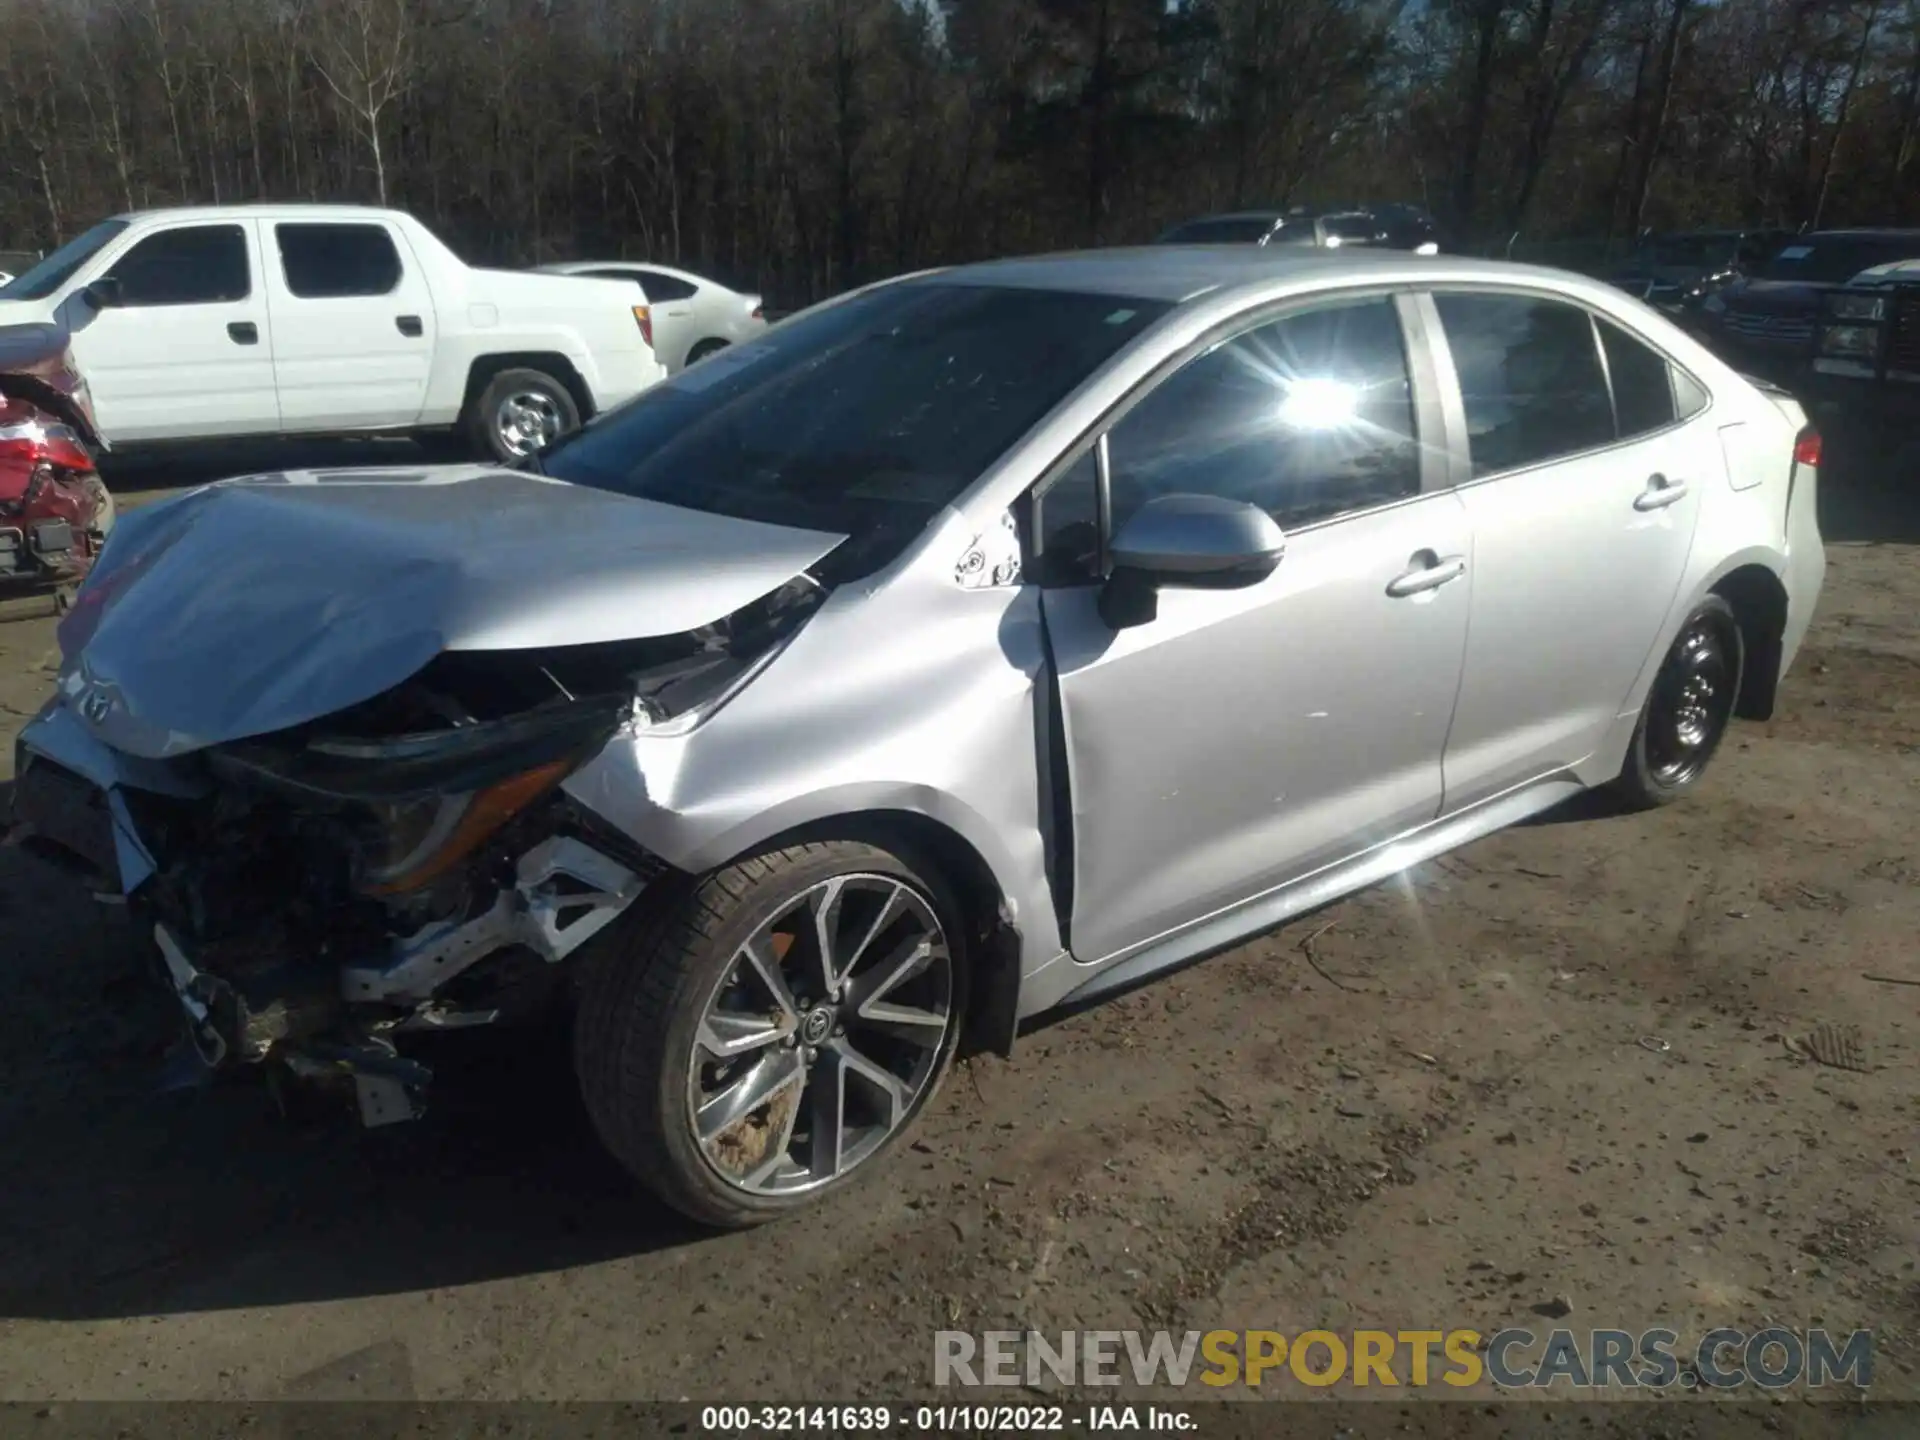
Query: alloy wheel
point(822, 1036)
point(527, 421)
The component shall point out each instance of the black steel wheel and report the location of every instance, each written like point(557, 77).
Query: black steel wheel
point(1688, 707)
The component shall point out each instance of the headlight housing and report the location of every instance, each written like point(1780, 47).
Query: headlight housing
point(1857, 307)
point(1852, 341)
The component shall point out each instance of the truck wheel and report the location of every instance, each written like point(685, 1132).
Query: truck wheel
point(778, 1032)
point(519, 412)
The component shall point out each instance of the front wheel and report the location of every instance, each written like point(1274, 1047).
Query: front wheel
point(1688, 708)
point(779, 1032)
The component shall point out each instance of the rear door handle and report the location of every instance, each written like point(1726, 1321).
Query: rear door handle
point(1660, 493)
point(1427, 571)
point(244, 332)
point(409, 324)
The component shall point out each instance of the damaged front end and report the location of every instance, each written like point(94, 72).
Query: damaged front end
point(408, 864)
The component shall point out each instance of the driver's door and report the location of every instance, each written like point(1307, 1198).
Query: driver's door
point(1245, 737)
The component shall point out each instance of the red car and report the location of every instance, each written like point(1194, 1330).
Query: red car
point(54, 511)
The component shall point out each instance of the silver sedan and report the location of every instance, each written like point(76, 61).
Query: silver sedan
point(977, 643)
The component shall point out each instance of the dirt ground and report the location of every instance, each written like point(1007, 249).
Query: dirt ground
point(1554, 1069)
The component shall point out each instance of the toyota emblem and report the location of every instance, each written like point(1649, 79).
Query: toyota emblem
point(97, 704)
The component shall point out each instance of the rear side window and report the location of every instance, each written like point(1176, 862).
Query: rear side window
point(1530, 379)
point(1310, 417)
point(1643, 398)
point(330, 262)
point(195, 265)
point(1224, 231)
point(662, 288)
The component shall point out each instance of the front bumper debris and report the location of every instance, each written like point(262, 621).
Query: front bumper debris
point(313, 994)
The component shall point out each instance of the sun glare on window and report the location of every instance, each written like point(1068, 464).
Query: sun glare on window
point(1319, 404)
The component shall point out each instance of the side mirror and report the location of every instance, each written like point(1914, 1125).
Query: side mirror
point(1189, 540)
point(104, 293)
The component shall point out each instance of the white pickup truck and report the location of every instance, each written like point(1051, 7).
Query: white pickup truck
point(216, 322)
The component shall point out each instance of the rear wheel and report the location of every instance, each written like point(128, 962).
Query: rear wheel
point(1688, 708)
point(704, 349)
point(519, 412)
point(778, 1033)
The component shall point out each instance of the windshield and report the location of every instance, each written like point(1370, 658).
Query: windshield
point(1689, 251)
point(866, 418)
point(1835, 259)
point(56, 269)
point(1229, 231)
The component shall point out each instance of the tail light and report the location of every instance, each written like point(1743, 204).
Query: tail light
point(757, 314)
point(643, 317)
point(29, 438)
point(1806, 448)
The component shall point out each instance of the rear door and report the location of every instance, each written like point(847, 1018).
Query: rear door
point(1589, 452)
point(353, 325)
point(188, 352)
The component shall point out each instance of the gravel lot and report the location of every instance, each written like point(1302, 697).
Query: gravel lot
point(1554, 1067)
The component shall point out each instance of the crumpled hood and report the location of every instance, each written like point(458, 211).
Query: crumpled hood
point(251, 605)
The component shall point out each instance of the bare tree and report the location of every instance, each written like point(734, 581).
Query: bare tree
point(364, 50)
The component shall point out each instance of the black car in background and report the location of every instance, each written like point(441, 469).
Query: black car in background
point(1764, 323)
point(1676, 272)
point(1866, 349)
point(1386, 226)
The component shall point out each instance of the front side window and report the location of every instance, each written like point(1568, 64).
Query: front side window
point(330, 262)
point(196, 265)
point(1309, 417)
point(865, 418)
point(1530, 379)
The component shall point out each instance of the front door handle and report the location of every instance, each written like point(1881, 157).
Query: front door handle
point(1427, 571)
point(244, 332)
point(1660, 493)
point(409, 324)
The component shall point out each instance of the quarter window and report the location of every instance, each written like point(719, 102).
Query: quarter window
point(662, 288)
point(330, 262)
point(1309, 418)
point(1530, 379)
point(1067, 521)
point(195, 265)
point(1643, 399)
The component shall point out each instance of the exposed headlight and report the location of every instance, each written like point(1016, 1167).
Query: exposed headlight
point(1426, 247)
point(1857, 307)
point(1857, 340)
point(417, 841)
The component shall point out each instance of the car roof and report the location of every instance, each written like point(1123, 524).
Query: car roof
point(253, 210)
point(1875, 233)
point(1184, 272)
point(575, 267)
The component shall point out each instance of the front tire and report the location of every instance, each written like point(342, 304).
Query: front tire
point(776, 1033)
point(519, 412)
point(1687, 709)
